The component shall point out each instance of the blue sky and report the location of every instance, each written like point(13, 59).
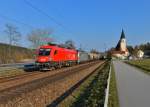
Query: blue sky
point(91, 23)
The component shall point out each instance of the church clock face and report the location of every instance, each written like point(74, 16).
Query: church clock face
point(123, 40)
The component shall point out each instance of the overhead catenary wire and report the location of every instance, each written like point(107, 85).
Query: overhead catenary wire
point(16, 21)
point(46, 15)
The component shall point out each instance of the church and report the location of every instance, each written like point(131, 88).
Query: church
point(121, 51)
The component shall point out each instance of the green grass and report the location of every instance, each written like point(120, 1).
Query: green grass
point(91, 93)
point(113, 100)
point(142, 64)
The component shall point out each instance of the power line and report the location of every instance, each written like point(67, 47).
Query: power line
point(16, 21)
point(42, 12)
point(47, 15)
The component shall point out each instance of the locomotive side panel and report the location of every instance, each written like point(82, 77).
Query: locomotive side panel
point(64, 55)
point(54, 56)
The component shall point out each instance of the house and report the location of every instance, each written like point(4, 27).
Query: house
point(140, 54)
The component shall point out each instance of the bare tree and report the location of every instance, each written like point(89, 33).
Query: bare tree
point(13, 34)
point(70, 44)
point(94, 51)
point(39, 37)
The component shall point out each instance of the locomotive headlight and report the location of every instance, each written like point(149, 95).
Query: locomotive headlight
point(42, 59)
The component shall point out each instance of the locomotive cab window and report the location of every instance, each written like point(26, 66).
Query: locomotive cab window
point(44, 52)
point(55, 52)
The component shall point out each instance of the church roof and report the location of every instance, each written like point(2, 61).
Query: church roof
point(118, 46)
point(122, 35)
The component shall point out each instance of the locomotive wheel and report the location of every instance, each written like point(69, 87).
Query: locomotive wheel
point(60, 66)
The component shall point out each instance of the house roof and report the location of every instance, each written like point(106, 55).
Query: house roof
point(118, 52)
point(118, 46)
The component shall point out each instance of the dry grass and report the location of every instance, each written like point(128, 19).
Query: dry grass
point(17, 53)
point(11, 72)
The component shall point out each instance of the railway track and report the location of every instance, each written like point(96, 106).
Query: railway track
point(11, 78)
point(12, 81)
point(13, 87)
point(26, 75)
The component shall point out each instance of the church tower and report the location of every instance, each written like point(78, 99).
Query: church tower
point(123, 46)
point(121, 51)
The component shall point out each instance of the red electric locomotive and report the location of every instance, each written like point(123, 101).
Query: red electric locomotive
point(55, 56)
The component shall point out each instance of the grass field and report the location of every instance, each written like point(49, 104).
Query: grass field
point(143, 64)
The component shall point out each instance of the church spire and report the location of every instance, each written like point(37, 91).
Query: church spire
point(122, 35)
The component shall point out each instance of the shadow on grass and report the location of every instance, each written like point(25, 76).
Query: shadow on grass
point(94, 94)
point(68, 92)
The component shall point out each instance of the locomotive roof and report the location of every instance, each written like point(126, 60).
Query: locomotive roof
point(54, 46)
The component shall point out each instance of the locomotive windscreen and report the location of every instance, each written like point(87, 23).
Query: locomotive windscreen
point(44, 52)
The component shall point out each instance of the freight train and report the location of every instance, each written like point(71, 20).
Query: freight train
point(56, 56)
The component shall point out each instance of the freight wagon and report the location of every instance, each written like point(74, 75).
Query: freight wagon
point(83, 57)
point(94, 56)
